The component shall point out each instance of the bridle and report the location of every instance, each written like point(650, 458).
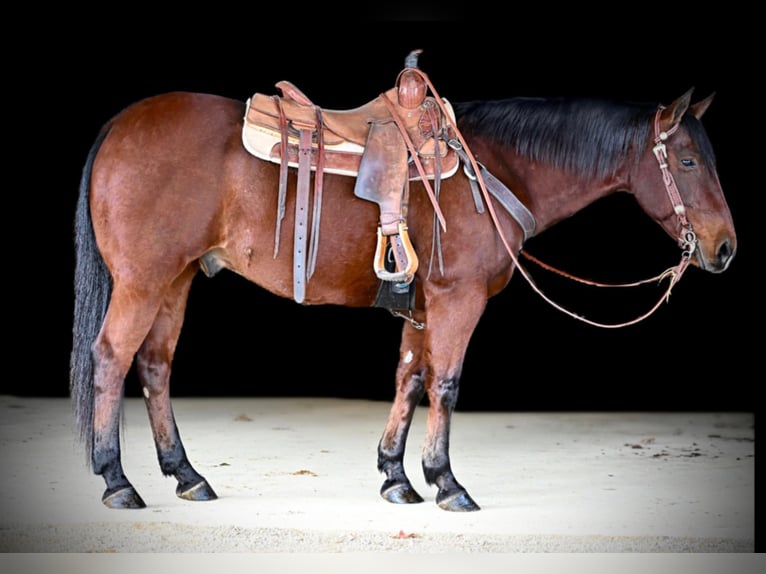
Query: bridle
point(687, 239)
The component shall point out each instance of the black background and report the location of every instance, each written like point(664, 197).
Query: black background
point(696, 353)
point(68, 71)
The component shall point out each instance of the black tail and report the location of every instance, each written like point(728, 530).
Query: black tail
point(92, 290)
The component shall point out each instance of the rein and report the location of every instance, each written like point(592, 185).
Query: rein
point(687, 240)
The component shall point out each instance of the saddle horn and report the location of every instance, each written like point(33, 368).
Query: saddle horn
point(411, 61)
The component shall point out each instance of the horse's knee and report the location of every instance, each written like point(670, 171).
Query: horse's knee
point(412, 388)
point(444, 392)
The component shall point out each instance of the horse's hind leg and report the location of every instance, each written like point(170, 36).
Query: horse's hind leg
point(153, 363)
point(409, 391)
point(123, 329)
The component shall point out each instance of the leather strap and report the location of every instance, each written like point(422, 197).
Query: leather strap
point(501, 193)
point(301, 215)
point(282, 174)
point(416, 158)
point(318, 186)
point(399, 252)
point(436, 242)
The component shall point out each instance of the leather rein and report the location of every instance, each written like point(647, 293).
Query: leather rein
point(687, 240)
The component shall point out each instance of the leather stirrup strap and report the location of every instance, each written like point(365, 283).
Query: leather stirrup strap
point(318, 185)
point(415, 158)
point(301, 215)
point(402, 258)
point(282, 173)
point(399, 246)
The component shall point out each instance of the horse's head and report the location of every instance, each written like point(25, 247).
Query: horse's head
point(679, 185)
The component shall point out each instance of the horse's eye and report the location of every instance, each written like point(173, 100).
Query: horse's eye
point(688, 162)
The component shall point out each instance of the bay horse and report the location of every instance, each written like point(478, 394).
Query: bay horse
point(168, 188)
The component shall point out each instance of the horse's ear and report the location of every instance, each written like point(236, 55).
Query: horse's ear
point(672, 115)
point(700, 107)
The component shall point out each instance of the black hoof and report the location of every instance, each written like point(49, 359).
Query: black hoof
point(458, 502)
point(124, 498)
point(400, 493)
point(199, 491)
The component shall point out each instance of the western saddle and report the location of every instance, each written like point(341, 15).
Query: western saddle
point(398, 137)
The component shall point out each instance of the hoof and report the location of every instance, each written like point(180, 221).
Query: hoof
point(200, 491)
point(400, 494)
point(124, 498)
point(458, 502)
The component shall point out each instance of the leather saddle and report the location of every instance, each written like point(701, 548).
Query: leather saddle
point(398, 137)
point(345, 133)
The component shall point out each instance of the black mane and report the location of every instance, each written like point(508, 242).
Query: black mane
point(586, 135)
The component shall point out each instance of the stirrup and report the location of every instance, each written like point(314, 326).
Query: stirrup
point(402, 276)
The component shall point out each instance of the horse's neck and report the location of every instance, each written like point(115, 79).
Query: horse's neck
point(551, 194)
point(555, 196)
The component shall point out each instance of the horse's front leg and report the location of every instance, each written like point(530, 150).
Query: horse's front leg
point(409, 391)
point(451, 321)
point(153, 363)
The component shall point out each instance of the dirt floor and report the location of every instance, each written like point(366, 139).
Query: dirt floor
point(299, 476)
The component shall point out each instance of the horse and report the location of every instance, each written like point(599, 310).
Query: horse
point(168, 190)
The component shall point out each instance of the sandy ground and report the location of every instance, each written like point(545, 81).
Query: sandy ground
point(299, 476)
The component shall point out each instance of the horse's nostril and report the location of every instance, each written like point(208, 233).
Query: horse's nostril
point(725, 253)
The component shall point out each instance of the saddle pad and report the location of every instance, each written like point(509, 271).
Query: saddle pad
point(265, 142)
